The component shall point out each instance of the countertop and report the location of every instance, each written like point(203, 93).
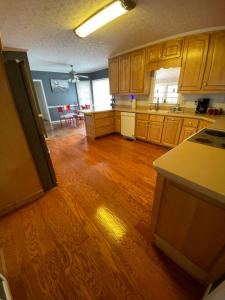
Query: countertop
point(197, 166)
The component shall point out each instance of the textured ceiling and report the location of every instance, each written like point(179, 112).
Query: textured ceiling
point(45, 28)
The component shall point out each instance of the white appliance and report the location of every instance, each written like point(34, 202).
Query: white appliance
point(128, 124)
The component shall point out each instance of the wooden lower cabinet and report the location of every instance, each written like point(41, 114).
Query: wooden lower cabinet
point(141, 131)
point(187, 225)
point(186, 132)
point(155, 132)
point(171, 131)
point(118, 124)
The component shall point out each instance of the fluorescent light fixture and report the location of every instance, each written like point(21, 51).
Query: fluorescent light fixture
point(104, 16)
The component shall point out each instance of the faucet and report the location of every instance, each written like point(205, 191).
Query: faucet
point(157, 104)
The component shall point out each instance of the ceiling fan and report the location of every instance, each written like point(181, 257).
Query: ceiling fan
point(74, 77)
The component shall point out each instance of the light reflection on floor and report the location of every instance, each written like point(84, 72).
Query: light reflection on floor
point(114, 226)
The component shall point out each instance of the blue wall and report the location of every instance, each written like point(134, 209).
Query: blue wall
point(56, 98)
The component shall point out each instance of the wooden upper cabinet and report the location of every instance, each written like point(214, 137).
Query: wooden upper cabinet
point(153, 53)
point(214, 77)
point(114, 75)
point(172, 49)
point(137, 74)
point(124, 73)
point(193, 62)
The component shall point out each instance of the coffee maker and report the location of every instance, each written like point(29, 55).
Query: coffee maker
point(202, 106)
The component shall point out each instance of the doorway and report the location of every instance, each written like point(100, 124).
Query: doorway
point(38, 85)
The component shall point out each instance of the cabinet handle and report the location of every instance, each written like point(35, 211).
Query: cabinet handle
point(190, 123)
point(204, 83)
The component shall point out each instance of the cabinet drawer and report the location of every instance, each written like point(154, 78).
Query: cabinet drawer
point(191, 122)
point(104, 130)
point(106, 114)
point(144, 117)
point(155, 118)
point(173, 119)
point(117, 113)
point(104, 122)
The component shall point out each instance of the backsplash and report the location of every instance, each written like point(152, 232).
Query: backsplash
point(186, 100)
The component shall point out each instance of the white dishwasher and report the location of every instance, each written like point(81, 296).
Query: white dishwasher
point(128, 124)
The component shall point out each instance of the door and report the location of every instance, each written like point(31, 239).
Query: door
point(42, 99)
point(124, 74)
point(141, 131)
point(214, 78)
point(155, 132)
point(171, 131)
point(137, 71)
point(153, 53)
point(172, 49)
point(114, 75)
point(24, 98)
point(20, 181)
point(186, 132)
point(193, 62)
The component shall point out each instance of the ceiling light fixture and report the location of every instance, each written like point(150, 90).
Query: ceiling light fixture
point(104, 16)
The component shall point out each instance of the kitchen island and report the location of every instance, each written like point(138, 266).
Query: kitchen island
point(188, 217)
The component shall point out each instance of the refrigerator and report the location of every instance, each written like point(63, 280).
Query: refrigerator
point(25, 99)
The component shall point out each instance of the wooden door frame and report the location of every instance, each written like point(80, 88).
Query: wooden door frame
point(45, 100)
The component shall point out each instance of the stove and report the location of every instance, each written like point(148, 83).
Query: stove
point(209, 137)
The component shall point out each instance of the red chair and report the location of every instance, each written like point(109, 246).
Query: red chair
point(60, 110)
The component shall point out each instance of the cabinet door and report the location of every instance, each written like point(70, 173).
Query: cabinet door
point(124, 74)
point(114, 75)
point(155, 132)
point(186, 132)
point(191, 224)
point(153, 53)
point(117, 124)
point(193, 62)
point(141, 131)
point(137, 71)
point(172, 49)
point(171, 131)
point(203, 124)
point(214, 78)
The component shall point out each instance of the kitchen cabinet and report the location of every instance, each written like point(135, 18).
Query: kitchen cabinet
point(114, 75)
point(117, 122)
point(193, 62)
point(189, 127)
point(99, 124)
point(137, 66)
point(186, 131)
point(203, 124)
point(155, 129)
point(124, 74)
point(141, 128)
point(181, 228)
point(141, 131)
point(153, 53)
point(171, 131)
point(155, 132)
point(214, 77)
point(172, 49)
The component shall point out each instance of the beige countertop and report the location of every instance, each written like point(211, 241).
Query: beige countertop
point(163, 112)
point(197, 166)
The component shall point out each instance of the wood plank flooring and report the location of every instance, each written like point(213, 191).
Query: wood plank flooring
point(89, 237)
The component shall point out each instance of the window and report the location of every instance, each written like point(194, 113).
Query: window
point(166, 85)
point(166, 93)
point(101, 94)
point(84, 92)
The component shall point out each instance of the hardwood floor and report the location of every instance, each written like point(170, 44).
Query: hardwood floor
point(89, 237)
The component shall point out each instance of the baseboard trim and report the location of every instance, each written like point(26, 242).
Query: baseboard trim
point(23, 202)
